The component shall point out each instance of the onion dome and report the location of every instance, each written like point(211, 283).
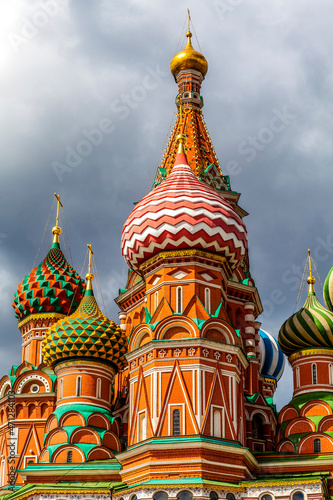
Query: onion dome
point(86, 333)
point(328, 290)
point(183, 213)
point(271, 356)
point(310, 327)
point(189, 59)
point(52, 287)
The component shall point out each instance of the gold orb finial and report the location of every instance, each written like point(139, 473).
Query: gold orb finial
point(189, 59)
point(181, 139)
point(311, 279)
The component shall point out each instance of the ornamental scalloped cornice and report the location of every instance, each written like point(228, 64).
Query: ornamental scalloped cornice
point(182, 254)
point(34, 317)
point(78, 492)
point(280, 482)
point(192, 342)
point(175, 488)
point(310, 352)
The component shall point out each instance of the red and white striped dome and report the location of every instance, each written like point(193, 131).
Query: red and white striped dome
point(182, 213)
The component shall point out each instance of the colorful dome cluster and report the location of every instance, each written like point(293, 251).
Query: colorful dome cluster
point(52, 287)
point(189, 59)
point(311, 326)
point(183, 213)
point(86, 333)
point(271, 356)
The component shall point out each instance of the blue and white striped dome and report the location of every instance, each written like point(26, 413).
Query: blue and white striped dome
point(271, 356)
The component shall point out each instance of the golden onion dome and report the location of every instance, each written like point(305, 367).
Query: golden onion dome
point(189, 59)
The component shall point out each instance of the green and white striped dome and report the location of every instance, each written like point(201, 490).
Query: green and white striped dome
point(310, 327)
point(328, 290)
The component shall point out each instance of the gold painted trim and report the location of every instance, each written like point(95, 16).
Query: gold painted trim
point(310, 352)
point(282, 482)
point(183, 253)
point(40, 316)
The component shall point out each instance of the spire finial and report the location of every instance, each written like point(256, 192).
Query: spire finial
point(181, 138)
point(56, 231)
point(311, 279)
point(89, 276)
point(189, 34)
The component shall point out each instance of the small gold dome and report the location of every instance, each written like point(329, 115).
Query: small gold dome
point(189, 59)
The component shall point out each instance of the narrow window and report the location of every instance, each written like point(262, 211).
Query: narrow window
point(298, 495)
point(217, 424)
point(78, 386)
point(230, 496)
point(40, 354)
point(3, 465)
point(207, 300)
point(61, 388)
point(297, 377)
point(156, 300)
point(314, 374)
point(176, 422)
point(317, 445)
point(257, 427)
point(27, 353)
point(98, 388)
point(69, 457)
point(213, 495)
point(143, 427)
point(330, 371)
point(179, 299)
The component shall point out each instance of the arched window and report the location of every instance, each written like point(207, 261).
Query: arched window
point(266, 497)
point(257, 427)
point(217, 424)
point(230, 496)
point(179, 299)
point(98, 388)
point(176, 422)
point(213, 495)
point(78, 386)
point(40, 353)
point(299, 495)
point(156, 300)
point(207, 300)
point(69, 457)
point(185, 495)
point(314, 374)
point(134, 497)
point(160, 495)
point(61, 388)
point(316, 445)
point(143, 427)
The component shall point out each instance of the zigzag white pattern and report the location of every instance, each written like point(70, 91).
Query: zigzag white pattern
point(202, 211)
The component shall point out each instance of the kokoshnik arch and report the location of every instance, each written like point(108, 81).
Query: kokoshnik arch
point(177, 401)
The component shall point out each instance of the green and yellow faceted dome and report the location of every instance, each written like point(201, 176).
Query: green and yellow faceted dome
point(87, 333)
point(310, 327)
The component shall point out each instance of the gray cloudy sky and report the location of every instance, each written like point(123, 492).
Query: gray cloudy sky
point(98, 71)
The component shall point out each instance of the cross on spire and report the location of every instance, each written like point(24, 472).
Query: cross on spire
point(89, 276)
point(56, 231)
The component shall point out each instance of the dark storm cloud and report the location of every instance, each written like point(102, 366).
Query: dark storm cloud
point(99, 72)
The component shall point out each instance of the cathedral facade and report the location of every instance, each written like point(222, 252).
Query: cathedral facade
point(175, 402)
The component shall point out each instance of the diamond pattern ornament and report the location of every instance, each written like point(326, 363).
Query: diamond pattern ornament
point(86, 333)
point(52, 287)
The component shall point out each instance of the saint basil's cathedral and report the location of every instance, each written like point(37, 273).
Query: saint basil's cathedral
point(175, 402)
